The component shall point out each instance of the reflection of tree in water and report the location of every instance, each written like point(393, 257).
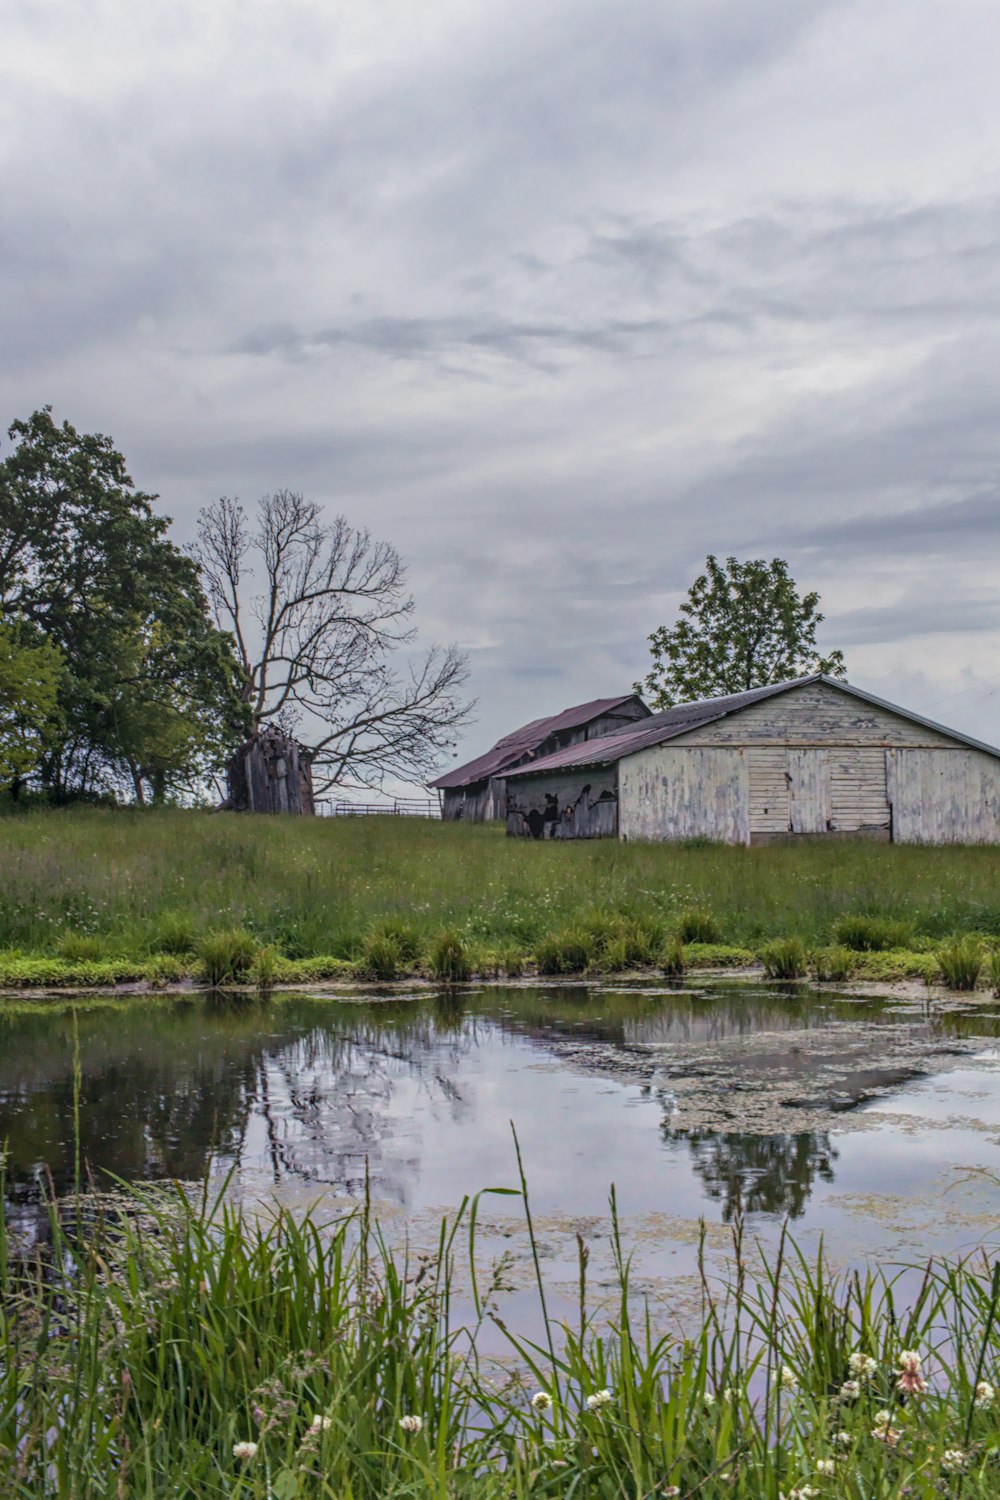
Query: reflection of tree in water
point(296, 1090)
point(760, 1173)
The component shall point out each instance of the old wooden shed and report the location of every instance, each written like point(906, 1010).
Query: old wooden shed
point(476, 793)
point(270, 773)
point(810, 756)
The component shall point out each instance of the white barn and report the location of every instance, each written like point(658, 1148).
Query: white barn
point(810, 756)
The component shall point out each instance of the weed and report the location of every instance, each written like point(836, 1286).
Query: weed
point(266, 966)
point(995, 970)
point(174, 932)
point(872, 934)
point(569, 952)
point(449, 958)
point(833, 963)
point(381, 957)
point(80, 948)
point(961, 963)
point(672, 960)
point(785, 958)
point(511, 961)
point(163, 969)
point(697, 925)
point(227, 956)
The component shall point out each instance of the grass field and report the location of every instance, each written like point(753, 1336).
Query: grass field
point(110, 895)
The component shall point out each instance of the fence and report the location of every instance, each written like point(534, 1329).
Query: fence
point(405, 807)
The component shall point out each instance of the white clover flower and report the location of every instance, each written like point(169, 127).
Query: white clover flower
point(850, 1390)
point(671, 1490)
point(952, 1461)
point(320, 1423)
point(541, 1400)
point(862, 1365)
point(599, 1399)
point(843, 1438)
point(787, 1377)
point(826, 1466)
point(244, 1450)
point(707, 1400)
point(910, 1379)
point(882, 1419)
point(730, 1393)
point(985, 1395)
point(412, 1423)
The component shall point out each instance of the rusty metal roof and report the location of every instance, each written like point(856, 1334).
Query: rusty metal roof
point(515, 746)
point(659, 727)
point(687, 716)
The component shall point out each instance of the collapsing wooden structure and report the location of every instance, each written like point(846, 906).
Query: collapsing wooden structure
point(270, 773)
point(476, 792)
point(814, 756)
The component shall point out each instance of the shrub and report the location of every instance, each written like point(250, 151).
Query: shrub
point(961, 963)
point(228, 955)
point(836, 962)
point(80, 948)
point(265, 966)
point(567, 952)
point(381, 957)
point(672, 960)
point(784, 959)
point(697, 926)
point(174, 933)
point(872, 934)
point(449, 958)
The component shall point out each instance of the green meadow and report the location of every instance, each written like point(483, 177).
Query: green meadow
point(96, 896)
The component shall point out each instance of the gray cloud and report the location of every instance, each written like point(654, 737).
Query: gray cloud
point(558, 298)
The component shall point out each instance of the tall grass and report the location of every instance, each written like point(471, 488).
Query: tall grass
point(170, 1348)
point(145, 882)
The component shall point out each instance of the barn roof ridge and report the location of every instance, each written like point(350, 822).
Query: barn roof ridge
point(682, 718)
point(519, 742)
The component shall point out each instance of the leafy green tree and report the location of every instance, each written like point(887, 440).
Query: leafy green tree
point(151, 691)
point(742, 625)
point(30, 676)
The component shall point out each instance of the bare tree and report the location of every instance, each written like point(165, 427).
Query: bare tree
point(321, 617)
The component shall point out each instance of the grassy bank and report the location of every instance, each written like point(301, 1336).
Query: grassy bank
point(103, 897)
point(185, 1353)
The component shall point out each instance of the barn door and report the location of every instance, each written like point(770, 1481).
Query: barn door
point(808, 791)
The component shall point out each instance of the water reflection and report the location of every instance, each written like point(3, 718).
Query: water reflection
point(419, 1092)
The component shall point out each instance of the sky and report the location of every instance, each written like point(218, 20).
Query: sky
point(556, 298)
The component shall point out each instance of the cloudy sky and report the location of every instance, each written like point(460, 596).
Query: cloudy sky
point(557, 297)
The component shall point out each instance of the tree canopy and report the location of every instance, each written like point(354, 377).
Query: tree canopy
point(742, 625)
point(322, 621)
point(150, 691)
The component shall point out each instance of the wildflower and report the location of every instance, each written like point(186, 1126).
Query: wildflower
point(884, 1430)
point(787, 1377)
point(826, 1466)
point(850, 1390)
point(952, 1461)
point(862, 1365)
point(411, 1424)
point(707, 1400)
point(541, 1400)
point(985, 1395)
point(843, 1438)
point(671, 1490)
point(730, 1393)
point(244, 1450)
point(599, 1399)
point(910, 1380)
point(320, 1424)
point(801, 1492)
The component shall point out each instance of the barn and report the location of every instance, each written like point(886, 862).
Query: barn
point(475, 792)
point(810, 756)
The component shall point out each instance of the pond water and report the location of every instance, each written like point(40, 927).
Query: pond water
point(874, 1122)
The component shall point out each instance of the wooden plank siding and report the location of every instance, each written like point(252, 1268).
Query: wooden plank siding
point(587, 800)
point(815, 714)
point(944, 797)
point(672, 792)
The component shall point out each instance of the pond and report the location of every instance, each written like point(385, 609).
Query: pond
point(872, 1121)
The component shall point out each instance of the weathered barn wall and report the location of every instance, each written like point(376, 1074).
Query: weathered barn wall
point(671, 793)
point(270, 773)
point(832, 789)
point(586, 801)
point(944, 796)
point(478, 803)
point(815, 714)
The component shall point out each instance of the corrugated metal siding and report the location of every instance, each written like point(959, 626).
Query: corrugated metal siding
point(944, 797)
point(671, 793)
